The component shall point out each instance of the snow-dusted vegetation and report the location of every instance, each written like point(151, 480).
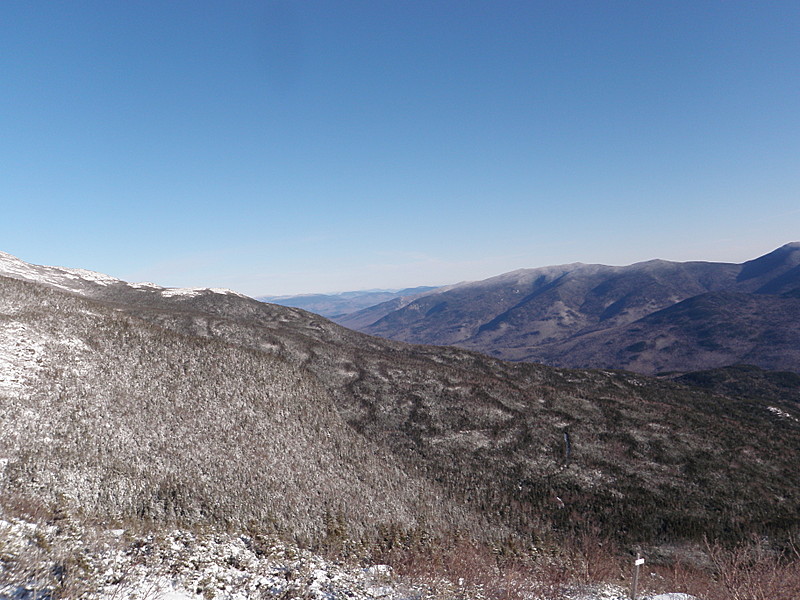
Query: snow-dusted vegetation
point(61, 557)
point(221, 418)
point(69, 560)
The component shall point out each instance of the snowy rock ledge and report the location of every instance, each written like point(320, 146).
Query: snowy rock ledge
point(69, 560)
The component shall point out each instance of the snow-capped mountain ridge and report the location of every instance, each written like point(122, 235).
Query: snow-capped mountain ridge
point(85, 282)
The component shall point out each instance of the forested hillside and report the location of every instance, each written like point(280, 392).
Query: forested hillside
point(212, 407)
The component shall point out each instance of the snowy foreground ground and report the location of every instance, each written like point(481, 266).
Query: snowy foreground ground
point(41, 562)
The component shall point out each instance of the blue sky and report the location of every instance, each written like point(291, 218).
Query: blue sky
point(308, 146)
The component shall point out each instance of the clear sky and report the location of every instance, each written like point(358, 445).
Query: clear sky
point(318, 146)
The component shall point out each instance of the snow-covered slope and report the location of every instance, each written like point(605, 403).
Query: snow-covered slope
point(61, 277)
point(88, 283)
point(24, 343)
point(23, 347)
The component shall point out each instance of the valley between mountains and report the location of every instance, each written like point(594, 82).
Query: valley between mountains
point(149, 408)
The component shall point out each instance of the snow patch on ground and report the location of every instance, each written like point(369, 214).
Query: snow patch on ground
point(143, 285)
point(781, 413)
point(196, 291)
point(188, 292)
point(182, 565)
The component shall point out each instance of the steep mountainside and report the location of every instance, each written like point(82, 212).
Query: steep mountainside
point(647, 317)
point(204, 407)
point(706, 331)
point(773, 273)
point(124, 419)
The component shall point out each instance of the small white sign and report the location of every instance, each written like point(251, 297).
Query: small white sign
point(639, 561)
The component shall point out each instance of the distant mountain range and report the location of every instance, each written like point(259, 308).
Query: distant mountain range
point(651, 317)
point(335, 306)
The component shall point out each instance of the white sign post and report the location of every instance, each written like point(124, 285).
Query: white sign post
point(636, 564)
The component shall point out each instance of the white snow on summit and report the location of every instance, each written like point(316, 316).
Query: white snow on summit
point(172, 292)
point(60, 277)
point(75, 280)
point(143, 285)
point(24, 346)
point(92, 276)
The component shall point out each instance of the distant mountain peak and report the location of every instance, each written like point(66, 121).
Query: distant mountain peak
point(774, 263)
